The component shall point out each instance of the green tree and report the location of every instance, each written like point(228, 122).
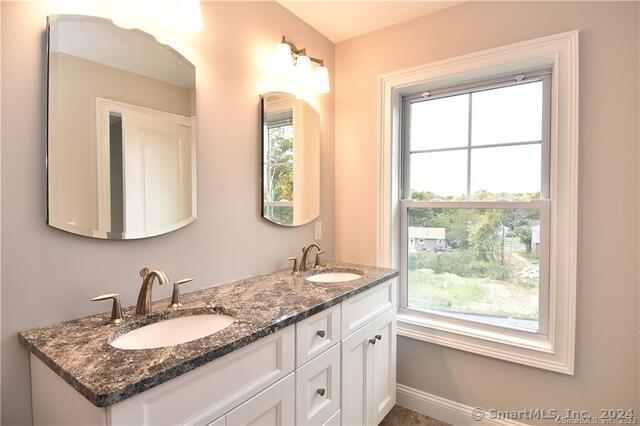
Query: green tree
point(280, 164)
point(524, 234)
point(485, 236)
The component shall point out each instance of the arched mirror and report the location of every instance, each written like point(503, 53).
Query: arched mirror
point(121, 146)
point(290, 160)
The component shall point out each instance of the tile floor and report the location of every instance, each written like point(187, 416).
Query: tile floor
point(399, 416)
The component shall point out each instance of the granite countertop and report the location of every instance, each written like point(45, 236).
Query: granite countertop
point(79, 352)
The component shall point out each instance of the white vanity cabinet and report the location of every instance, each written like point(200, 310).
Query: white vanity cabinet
point(369, 365)
point(336, 367)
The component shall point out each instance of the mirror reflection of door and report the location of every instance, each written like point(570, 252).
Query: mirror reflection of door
point(120, 131)
point(291, 160)
point(146, 170)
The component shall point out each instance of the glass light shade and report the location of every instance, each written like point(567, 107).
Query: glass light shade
point(283, 56)
point(321, 79)
point(304, 72)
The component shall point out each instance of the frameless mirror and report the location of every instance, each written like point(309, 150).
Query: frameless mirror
point(290, 160)
point(121, 145)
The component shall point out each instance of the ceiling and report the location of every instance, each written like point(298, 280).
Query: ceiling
point(342, 20)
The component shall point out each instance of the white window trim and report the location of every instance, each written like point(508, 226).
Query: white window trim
point(555, 351)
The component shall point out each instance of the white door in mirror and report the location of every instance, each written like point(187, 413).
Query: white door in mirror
point(172, 332)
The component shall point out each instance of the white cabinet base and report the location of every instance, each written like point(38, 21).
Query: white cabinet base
point(329, 369)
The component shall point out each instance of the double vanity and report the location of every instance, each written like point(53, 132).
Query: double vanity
point(312, 348)
point(314, 345)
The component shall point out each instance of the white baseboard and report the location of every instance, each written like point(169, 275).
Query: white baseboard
point(443, 409)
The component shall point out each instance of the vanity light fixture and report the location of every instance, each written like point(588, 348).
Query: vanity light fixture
point(287, 54)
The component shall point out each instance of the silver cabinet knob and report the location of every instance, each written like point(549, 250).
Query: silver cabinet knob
point(175, 295)
point(321, 392)
point(321, 333)
point(116, 309)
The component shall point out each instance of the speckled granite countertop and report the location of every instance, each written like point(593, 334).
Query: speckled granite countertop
point(79, 352)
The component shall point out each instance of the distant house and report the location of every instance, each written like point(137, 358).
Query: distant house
point(535, 240)
point(425, 239)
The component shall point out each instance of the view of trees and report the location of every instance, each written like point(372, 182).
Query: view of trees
point(485, 258)
point(280, 164)
point(279, 172)
point(482, 230)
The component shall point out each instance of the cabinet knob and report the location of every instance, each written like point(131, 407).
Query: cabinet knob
point(378, 337)
point(321, 333)
point(321, 392)
point(372, 341)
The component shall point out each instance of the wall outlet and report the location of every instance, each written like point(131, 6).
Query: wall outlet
point(318, 230)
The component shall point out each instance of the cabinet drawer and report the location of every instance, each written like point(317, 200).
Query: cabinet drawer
point(316, 334)
point(271, 407)
point(367, 305)
point(318, 388)
point(208, 392)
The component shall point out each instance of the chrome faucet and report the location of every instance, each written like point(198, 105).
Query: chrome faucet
point(305, 255)
point(143, 307)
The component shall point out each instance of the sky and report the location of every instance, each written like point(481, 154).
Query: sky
point(505, 115)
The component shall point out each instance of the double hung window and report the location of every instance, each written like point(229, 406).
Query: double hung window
point(475, 203)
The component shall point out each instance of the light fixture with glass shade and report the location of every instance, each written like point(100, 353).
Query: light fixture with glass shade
point(321, 79)
point(304, 73)
point(284, 58)
point(287, 54)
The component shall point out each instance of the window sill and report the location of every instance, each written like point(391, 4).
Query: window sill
point(523, 348)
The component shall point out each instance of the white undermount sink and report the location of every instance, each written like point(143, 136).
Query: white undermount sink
point(333, 277)
point(172, 331)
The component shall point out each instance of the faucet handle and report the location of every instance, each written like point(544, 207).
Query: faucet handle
point(294, 270)
point(318, 262)
point(144, 271)
point(116, 309)
point(175, 296)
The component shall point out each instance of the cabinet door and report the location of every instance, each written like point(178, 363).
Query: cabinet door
point(356, 377)
point(272, 407)
point(384, 365)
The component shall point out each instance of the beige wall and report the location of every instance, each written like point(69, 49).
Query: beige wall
point(607, 299)
point(49, 275)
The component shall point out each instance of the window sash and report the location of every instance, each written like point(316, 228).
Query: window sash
point(544, 77)
point(278, 203)
point(479, 86)
point(543, 206)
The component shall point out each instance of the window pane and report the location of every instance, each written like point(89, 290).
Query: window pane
point(509, 172)
point(440, 175)
point(440, 123)
point(508, 114)
point(475, 264)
